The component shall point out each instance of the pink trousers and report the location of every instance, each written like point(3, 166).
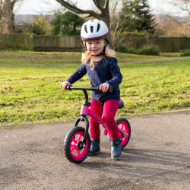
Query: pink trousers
point(108, 110)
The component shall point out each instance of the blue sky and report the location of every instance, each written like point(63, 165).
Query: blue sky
point(44, 6)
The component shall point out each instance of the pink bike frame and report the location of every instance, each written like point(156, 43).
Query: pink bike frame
point(86, 111)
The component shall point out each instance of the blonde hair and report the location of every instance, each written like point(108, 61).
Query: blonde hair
point(87, 57)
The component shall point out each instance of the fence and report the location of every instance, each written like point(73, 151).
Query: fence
point(73, 43)
point(166, 44)
point(16, 40)
point(41, 43)
point(57, 43)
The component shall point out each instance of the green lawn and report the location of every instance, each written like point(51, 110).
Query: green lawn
point(32, 93)
point(62, 57)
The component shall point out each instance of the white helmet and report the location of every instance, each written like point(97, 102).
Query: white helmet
point(94, 29)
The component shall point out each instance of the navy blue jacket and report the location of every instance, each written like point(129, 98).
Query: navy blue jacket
point(105, 71)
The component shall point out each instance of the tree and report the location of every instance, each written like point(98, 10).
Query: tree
point(102, 5)
point(116, 24)
point(66, 24)
point(39, 26)
point(7, 16)
point(183, 5)
point(168, 26)
point(137, 16)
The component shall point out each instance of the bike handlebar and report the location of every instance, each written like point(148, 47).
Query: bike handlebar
point(70, 87)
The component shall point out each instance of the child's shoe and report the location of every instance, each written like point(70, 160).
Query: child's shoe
point(95, 147)
point(115, 148)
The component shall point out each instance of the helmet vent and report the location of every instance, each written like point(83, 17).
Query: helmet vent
point(98, 27)
point(91, 29)
point(94, 30)
point(85, 28)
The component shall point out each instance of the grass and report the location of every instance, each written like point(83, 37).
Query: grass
point(123, 57)
point(166, 54)
point(39, 57)
point(32, 93)
point(62, 57)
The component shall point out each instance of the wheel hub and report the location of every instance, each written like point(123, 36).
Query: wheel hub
point(80, 145)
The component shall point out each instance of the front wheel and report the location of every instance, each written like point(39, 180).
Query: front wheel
point(124, 125)
point(74, 151)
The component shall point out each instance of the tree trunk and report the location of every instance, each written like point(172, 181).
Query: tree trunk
point(106, 19)
point(7, 16)
point(74, 28)
point(103, 14)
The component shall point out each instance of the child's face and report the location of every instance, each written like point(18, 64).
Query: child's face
point(95, 47)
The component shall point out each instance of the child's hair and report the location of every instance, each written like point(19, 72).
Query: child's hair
point(87, 56)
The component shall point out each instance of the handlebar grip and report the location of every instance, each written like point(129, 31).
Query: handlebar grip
point(68, 87)
point(109, 90)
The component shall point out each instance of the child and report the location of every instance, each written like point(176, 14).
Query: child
point(99, 62)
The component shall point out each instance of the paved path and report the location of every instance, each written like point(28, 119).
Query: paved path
point(157, 157)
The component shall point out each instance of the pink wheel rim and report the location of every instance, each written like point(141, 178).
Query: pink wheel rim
point(73, 146)
point(123, 126)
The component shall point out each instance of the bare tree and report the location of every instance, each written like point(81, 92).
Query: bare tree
point(7, 16)
point(183, 5)
point(115, 21)
point(168, 26)
point(102, 14)
point(102, 5)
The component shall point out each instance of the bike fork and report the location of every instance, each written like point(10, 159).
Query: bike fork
point(83, 118)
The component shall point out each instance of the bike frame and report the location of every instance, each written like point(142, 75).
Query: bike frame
point(86, 111)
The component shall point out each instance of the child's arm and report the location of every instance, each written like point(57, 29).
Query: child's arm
point(115, 72)
point(78, 74)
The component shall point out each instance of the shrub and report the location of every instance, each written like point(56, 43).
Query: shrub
point(66, 24)
point(149, 50)
point(37, 29)
point(185, 53)
point(131, 50)
point(121, 47)
point(146, 50)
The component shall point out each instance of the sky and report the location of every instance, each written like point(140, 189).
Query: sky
point(48, 6)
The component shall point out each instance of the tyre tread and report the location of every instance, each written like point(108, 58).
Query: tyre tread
point(126, 121)
point(67, 143)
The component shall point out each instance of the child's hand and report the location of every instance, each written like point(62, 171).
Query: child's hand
point(104, 87)
point(64, 84)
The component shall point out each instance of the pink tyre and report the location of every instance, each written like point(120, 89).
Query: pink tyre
point(124, 125)
point(74, 149)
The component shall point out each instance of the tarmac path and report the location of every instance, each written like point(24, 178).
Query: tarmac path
point(157, 157)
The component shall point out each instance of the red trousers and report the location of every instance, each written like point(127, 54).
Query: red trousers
point(108, 110)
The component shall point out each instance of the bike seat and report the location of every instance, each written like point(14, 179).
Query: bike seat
point(121, 104)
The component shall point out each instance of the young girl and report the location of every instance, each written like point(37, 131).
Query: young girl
point(102, 68)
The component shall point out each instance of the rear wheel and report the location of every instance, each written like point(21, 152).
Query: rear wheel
point(124, 125)
point(73, 145)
